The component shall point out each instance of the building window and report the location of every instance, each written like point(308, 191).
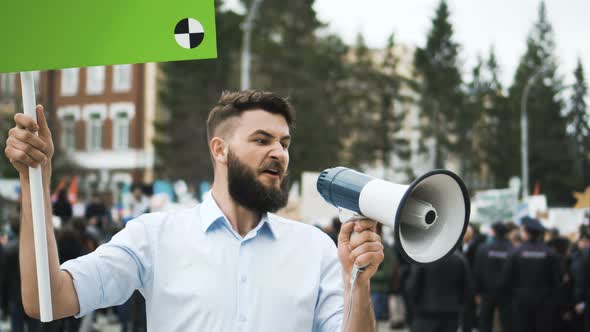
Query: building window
point(94, 132)
point(68, 132)
point(69, 81)
point(122, 75)
point(121, 114)
point(94, 114)
point(95, 80)
point(68, 116)
point(121, 131)
point(8, 84)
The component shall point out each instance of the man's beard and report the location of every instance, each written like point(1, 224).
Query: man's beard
point(252, 194)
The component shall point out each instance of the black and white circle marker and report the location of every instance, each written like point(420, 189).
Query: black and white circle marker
point(189, 33)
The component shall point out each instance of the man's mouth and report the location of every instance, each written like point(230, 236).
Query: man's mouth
point(273, 172)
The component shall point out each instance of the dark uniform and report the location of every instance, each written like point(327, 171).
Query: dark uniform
point(439, 291)
point(490, 262)
point(532, 278)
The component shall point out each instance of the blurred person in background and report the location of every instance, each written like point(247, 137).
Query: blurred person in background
point(439, 292)
point(18, 319)
point(565, 316)
point(532, 278)
point(334, 229)
point(489, 263)
point(581, 274)
point(96, 211)
point(3, 303)
point(382, 282)
point(140, 203)
point(472, 240)
point(62, 207)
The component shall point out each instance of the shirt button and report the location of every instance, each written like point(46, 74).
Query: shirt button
point(243, 278)
point(242, 318)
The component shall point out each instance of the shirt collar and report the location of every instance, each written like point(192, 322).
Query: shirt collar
point(211, 213)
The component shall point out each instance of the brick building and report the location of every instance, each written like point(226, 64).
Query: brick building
point(105, 119)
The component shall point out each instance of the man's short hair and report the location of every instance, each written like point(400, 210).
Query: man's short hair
point(234, 103)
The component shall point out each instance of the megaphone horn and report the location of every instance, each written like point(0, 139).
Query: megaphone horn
point(429, 216)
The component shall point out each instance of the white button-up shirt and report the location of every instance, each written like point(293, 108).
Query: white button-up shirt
point(197, 274)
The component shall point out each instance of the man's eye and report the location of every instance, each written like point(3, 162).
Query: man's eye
point(260, 141)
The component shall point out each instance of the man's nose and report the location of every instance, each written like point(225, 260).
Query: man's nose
point(278, 152)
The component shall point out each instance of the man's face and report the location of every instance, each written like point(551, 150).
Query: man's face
point(257, 161)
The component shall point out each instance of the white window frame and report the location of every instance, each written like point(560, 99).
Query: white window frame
point(70, 79)
point(88, 114)
point(122, 78)
point(114, 110)
point(8, 84)
point(63, 113)
point(95, 77)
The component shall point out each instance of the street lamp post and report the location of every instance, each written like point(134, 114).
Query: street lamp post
point(246, 38)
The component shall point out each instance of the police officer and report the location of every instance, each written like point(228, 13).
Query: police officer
point(439, 291)
point(490, 261)
point(532, 277)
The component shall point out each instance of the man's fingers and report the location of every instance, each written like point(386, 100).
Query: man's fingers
point(365, 248)
point(366, 236)
point(31, 151)
point(20, 156)
point(43, 127)
point(24, 121)
point(345, 232)
point(364, 224)
point(369, 258)
point(28, 137)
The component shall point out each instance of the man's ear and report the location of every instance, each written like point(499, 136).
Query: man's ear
point(219, 149)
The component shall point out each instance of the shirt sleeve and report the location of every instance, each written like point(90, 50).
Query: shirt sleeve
point(109, 275)
point(330, 304)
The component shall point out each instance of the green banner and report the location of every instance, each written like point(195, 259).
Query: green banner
point(43, 35)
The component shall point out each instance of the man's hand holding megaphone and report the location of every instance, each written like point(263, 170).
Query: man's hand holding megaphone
point(359, 245)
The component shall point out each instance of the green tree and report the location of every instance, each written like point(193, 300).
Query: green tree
point(440, 80)
point(187, 93)
point(489, 113)
point(550, 162)
point(578, 121)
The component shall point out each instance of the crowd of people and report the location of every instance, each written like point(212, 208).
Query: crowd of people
point(512, 278)
point(76, 236)
point(516, 278)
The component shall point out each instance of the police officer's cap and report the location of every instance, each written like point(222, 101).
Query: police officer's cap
point(500, 228)
point(532, 224)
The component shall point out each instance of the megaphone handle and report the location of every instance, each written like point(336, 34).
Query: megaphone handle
point(345, 216)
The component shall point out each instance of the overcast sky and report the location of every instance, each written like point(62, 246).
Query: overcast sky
point(478, 24)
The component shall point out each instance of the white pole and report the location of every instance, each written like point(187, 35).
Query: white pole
point(38, 207)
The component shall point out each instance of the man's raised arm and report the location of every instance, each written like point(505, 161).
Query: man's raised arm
point(24, 149)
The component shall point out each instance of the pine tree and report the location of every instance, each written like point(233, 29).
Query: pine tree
point(441, 96)
point(550, 162)
point(488, 107)
point(578, 122)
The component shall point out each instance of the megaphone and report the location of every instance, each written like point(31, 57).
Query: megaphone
point(429, 216)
